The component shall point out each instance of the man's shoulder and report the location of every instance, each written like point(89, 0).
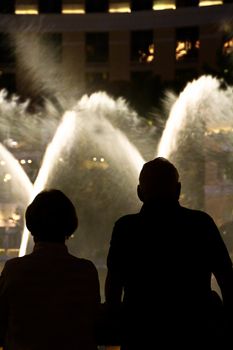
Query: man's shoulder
point(195, 214)
point(127, 219)
point(85, 263)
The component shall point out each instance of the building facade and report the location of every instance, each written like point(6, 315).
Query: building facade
point(116, 42)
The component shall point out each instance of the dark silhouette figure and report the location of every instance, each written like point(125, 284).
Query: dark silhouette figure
point(49, 298)
point(160, 264)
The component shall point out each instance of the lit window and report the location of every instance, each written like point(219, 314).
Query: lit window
point(187, 43)
point(142, 46)
point(210, 2)
point(26, 9)
point(164, 5)
point(228, 47)
point(7, 55)
point(73, 9)
point(121, 7)
point(183, 48)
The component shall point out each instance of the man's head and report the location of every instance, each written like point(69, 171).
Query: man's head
point(51, 217)
point(159, 181)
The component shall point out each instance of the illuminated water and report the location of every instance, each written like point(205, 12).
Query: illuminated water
point(87, 156)
point(198, 137)
point(94, 153)
point(201, 106)
point(62, 140)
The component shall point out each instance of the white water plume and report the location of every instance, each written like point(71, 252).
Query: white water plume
point(202, 104)
point(85, 131)
point(62, 138)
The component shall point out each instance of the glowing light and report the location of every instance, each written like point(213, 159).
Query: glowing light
point(94, 159)
point(210, 2)
point(122, 7)
point(197, 44)
point(29, 161)
point(102, 159)
point(24, 9)
point(71, 9)
point(12, 250)
point(22, 161)
point(183, 48)
point(228, 47)
point(223, 130)
point(147, 57)
point(164, 6)
point(16, 217)
point(7, 177)
point(11, 143)
point(26, 12)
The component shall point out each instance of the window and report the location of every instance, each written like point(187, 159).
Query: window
point(183, 76)
point(210, 2)
point(96, 47)
point(52, 42)
point(96, 5)
point(186, 3)
point(50, 6)
point(71, 8)
point(142, 46)
point(139, 5)
point(7, 6)
point(119, 7)
point(228, 46)
point(24, 7)
point(164, 4)
point(139, 79)
point(96, 81)
point(6, 49)
point(145, 90)
point(187, 44)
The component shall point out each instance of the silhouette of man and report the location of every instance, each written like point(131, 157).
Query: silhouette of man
point(49, 298)
point(160, 263)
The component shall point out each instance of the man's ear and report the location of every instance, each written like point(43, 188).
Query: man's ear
point(139, 192)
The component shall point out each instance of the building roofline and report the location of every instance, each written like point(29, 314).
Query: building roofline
point(141, 20)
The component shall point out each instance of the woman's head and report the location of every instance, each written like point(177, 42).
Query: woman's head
point(51, 216)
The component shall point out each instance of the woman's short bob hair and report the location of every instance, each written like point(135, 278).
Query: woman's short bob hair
point(51, 216)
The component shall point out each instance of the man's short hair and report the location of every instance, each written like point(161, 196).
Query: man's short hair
point(158, 178)
point(51, 216)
